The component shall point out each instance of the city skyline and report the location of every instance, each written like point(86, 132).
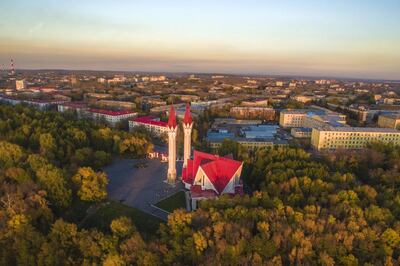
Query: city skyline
point(357, 39)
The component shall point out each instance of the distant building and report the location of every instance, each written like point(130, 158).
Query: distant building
point(151, 101)
point(73, 80)
point(97, 96)
point(252, 112)
point(248, 133)
point(79, 107)
point(101, 80)
point(310, 118)
point(20, 84)
point(279, 83)
point(389, 120)
point(111, 117)
point(151, 123)
point(117, 79)
point(117, 104)
point(256, 102)
point(157, 78)
point(38, 103)
point(303, 98)
point(331, 138)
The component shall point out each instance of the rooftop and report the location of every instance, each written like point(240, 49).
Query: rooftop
point(150, 120)
point(360, 129)
point(108, 112)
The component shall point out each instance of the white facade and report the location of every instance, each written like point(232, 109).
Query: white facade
point(187, 130)
point(158, 130)
point(112, 118)
point(351, 137)
point(171, 177)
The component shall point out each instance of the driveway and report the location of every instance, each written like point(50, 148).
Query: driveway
point(141, 187)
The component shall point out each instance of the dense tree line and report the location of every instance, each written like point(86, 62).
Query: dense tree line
point(339, 208)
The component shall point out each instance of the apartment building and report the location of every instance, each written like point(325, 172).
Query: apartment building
point(310, 118)
point(251, 112)
point(151, 123)
point(118, 104)
point(111, 117)
point(330, 138)
point(292, 118)
point(389, 121)
point(79, 107)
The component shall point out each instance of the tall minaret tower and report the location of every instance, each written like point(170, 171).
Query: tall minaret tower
point(172, 128)
point(187, 131)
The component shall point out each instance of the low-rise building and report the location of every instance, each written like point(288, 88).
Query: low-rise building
point(389, 120)
point(117, 104)
point(310, 118)
point(151, 123)
point(255, 102)
point(251, 112)
point(331, 138)
point(301, 132)
point(303, 98)
point(111, 117)
point(38, 103)
point(249, 135)
point(79, 107)
point(292, 118)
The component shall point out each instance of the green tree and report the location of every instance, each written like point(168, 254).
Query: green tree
point(91, 185)
point(53, 181)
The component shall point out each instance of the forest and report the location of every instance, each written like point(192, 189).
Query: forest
point(340, 208)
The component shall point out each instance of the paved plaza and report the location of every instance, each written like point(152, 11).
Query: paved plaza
point(141, 187)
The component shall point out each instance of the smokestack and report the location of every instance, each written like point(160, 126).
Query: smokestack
point(12, 67)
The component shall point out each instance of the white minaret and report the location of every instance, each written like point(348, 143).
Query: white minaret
point(187, 131)
point(172, 128)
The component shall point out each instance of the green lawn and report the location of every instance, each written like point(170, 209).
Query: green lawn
point(146, 224)
point(174, 202)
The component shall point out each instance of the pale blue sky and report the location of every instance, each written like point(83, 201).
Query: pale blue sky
point(337, 38)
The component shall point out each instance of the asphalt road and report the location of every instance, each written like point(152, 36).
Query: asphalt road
point(141, 187)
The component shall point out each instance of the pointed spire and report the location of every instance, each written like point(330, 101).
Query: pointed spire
point(172, 118)
point(187, 119)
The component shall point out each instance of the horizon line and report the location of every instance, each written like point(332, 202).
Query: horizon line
point(351, 78)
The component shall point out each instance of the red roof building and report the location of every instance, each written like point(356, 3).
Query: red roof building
point(209, 176)
point(151, 123)
point(111, 117)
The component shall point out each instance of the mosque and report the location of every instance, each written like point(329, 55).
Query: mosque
point(204, 175)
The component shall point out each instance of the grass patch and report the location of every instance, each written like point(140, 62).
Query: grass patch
point(174, 202)
point(146, 224)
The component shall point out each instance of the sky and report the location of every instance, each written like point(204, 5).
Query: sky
point(336, 38)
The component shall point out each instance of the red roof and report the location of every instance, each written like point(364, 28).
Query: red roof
point(150, 120)
point(172, 118)
point(187, 119)
point(219, 170)
point(108, 112)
